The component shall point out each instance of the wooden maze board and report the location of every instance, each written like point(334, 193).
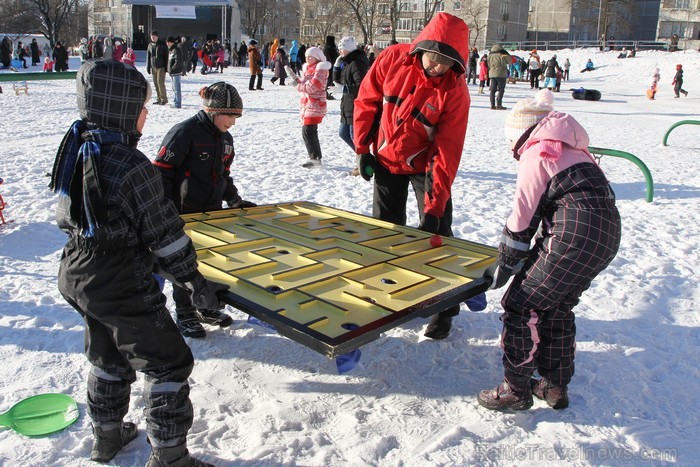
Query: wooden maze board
point(331, 279)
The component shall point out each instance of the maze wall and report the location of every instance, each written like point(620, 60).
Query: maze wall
point(330, 279)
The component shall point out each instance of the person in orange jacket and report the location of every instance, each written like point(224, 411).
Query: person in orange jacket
point(410, 121)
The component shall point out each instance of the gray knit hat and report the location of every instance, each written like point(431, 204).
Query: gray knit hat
point(221, 98)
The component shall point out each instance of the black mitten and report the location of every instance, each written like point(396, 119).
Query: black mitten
point(430, 223)
point(499, 275)
point(367, 165)
point(204, 293)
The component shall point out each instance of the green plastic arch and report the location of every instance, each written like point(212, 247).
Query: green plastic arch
point(635, 160)
point(682, 122)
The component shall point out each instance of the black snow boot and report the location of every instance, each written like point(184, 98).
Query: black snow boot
point(176, 456)
point(439, 327)
point(557, 397)
point(513, 393)
point(108, 442)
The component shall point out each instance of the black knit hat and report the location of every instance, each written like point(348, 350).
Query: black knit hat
point(221, 98)
point(111, 94)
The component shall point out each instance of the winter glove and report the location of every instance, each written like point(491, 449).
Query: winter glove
point(293, 77)
point(499, 275)
point(239, 203)
point(430, 224)
point(367, 165)
point(204, 293)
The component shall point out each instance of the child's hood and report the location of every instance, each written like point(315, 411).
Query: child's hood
point(558, 127)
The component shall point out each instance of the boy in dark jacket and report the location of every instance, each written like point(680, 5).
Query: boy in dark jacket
point(350, 68)
point(176, 68)
point(195, 163)
point(119, 227)
point(678, 82)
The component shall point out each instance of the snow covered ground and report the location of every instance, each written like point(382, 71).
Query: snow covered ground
point(262, 399)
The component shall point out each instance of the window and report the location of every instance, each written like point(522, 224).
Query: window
point(351, 28)
point(440, 7)
point(418, 24)
point(403, 7)
point(404, 24)
point(457, 6)
point(383, 9)
point(309, 14)
point(309, 30)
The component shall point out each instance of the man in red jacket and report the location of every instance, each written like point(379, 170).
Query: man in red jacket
point(412, 111)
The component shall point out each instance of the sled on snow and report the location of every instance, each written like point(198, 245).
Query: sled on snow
point(585, 94)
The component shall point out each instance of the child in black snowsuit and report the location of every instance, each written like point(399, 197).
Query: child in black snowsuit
point(678, 82)
point(562, 193)
point(119, 227)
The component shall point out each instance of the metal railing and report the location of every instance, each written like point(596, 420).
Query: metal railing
point(558, 45)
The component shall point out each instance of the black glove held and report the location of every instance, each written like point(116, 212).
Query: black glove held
point(499, 276)
point(430, 224)
point(204, 293)
point(367, 166)
point(239, 203)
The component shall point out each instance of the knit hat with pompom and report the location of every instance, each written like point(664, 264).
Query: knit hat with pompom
point(528, 112)
point(221, 98)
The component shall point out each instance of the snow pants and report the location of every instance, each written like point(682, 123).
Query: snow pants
point(128, 329)
point(539, 332)
point(313, 147)
point(389, 204)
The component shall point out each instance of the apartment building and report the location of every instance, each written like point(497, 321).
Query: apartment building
point(682, 18)
point(489, 20)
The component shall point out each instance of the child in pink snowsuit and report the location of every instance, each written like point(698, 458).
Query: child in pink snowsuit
point(564, 203)
point(312, 86)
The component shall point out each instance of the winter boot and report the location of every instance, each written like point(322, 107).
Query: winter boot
point(439, 327)
point(108, 442)
point(515, 394)
point(176, 456)
point(311, 163)
point(188, 323)
point(685, 93)
point(215, 317)
point(557, 397)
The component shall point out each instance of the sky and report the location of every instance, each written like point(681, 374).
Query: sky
point(261, 399)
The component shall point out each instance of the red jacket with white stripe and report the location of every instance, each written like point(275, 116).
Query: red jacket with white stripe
point(416, 123)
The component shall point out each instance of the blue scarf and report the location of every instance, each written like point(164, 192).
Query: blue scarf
point(80, 181)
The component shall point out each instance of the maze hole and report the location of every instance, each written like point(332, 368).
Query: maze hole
point(248, 225)
point(283, 252)
point(386, 280)
point(369, 299)
point(350, 231)
point(349, 326)
point(274, 289)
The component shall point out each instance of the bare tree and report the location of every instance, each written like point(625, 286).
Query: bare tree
point(429, 9)
point(13, 18)
point(50, 17)
point(476, 17)
point(367, 15)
